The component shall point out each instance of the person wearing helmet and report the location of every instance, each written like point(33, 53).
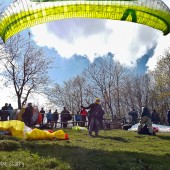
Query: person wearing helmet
point(95, 111)
point(145, 121)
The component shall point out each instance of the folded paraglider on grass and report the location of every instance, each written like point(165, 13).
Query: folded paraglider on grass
point(19, 129)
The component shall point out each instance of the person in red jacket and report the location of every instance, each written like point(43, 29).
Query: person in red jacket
point(83, 114)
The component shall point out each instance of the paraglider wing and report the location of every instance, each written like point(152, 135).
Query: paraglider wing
point(22, 14)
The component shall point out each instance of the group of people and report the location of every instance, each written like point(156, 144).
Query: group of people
point(52, 118)
point(26, 114)
point(154, 116)
point(146, 120)
point(94, 116)
point(6, 111)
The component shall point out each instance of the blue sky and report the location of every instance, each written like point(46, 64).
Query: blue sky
point(75, 43)
point(66, 68)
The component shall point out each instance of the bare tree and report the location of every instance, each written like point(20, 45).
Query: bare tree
point(70, 94)
point(105, 77)
point(26, 67)
point(161, 77)
point(118, 87)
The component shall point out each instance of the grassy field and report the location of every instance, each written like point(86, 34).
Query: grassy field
point(112, 150)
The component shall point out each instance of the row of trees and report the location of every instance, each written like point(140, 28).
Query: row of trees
point(118, 87)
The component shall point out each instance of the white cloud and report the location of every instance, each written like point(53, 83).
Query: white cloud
point(128, 41)
point(92, 37)
point(162, 44)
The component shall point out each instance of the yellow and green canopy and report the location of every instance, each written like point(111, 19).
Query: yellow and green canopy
point(22, 14)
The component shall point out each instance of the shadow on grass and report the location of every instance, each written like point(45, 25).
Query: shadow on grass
point(80, 158)
point(164, 137)
point(120, 139)
point(86, 153)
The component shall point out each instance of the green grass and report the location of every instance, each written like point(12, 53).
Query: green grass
point(112, 150)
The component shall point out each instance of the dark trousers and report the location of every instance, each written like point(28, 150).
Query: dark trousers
point(83, 120)
point(27, 121)
point(4, 116)
point(42, 119)
point(101, 123)
point(169, 122)
point(64, 123)
point(94, 126)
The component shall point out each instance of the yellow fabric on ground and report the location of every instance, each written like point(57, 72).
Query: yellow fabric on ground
point(18, 129)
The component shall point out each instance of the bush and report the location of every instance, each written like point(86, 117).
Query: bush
point(9, 145)
point(8, 137)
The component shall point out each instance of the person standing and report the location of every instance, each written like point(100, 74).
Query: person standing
point(155, 117)
point(49, 117)
point(134, 115)
point(78, 118)
point(4, 115)
point(95, 110)
point(83, 114)
point(146, 120)
point(27, 115)
point(10, 110)
point(168, 117)
point(42, 112)
point(64, 117)
point(55, 118)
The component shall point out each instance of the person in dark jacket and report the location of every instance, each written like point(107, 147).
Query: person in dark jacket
point(64, 117)
point(4, 114)
point(134, 115)
point(55, 117)
point(101, 115)
point(42, 112)
point(155, 117)
point(10, 109)
point(1, 113)
point(145, 120)
point(95, 111)
point(168, 117)
point(27, 115)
